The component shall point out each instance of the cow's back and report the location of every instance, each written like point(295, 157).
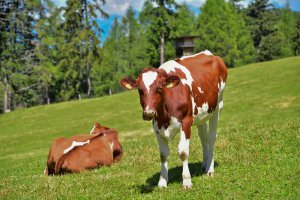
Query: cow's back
point(97, 153)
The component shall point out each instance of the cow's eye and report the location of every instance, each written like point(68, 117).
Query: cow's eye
point(158, 90)
point(141, 92)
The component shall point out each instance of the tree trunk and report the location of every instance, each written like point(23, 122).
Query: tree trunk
point(162, 48)
point(5, 103)
point(7, 96)
point(88, 67)
point(88, 77)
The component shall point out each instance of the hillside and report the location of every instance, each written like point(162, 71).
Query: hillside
point(257, 150)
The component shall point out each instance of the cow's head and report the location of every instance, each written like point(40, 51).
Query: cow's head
point(151, 85)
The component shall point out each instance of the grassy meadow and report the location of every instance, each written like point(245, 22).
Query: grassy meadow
point(257, 153)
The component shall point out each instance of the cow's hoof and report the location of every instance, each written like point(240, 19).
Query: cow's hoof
point(187, 183)
point(162, 183)
point(210, 174)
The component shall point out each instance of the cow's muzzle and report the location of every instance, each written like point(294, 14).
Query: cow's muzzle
point(148, 115)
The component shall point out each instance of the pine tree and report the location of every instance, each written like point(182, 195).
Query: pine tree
point(185, 21)
point(218, 31)
point(46, 51)
point(286, 27)
point(135, 42)
point(16, 53)
point(81, 50)
point(160, 23)
point(262, 20)
point(245, 48)
point(296, 38)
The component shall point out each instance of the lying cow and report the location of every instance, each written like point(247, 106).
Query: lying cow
point(181, 93)
point(74, 154)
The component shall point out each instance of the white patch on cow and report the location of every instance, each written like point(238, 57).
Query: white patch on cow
point(92, 130)
point(171, 66)
point(75, 144)
point(172, 129)
point(149, 78)
point(202, 115)
point(183, 146)
point(207, 52)
point(221, 105)
point(221, 86)
point(201, 91)
point(111, 146)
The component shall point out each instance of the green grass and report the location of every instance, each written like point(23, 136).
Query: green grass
point(257, 151)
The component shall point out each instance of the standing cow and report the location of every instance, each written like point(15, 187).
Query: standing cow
point(181, 93)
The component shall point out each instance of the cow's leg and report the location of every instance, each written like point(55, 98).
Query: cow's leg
point(211, 138)
point(202, 132)
point(164, 156)
point(183, 150)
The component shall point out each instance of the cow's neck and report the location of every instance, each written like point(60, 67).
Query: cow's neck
point(163, 115)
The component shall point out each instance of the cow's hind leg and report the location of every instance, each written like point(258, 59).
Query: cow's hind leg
point(211, 138)
point(202, 132)
point(164, 156)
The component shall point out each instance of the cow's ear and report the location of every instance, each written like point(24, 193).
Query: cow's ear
point(97, 125)
point(128, 83)
point(172, 81)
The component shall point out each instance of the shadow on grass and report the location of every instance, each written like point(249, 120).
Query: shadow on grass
point(175, 175)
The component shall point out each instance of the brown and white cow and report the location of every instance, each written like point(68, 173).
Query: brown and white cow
point(88, 151)
point(181, 93)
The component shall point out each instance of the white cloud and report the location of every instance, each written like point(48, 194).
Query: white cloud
point(195, 3)
point(119, 7)
point(280, 2)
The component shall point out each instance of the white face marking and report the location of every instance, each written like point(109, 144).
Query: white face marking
point(149, 78)
point(207, 52)
point(199, 88)
point(93, 129)
point(75, 144)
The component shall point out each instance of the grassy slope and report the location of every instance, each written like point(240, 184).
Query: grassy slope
point(257, 151)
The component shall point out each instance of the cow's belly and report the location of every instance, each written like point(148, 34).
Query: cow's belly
point(202, 118)
point(203, 114)
point(170, 132)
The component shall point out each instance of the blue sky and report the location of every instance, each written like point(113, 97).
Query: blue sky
point(117, 8)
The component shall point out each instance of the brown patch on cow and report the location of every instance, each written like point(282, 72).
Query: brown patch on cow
point(163, 158)
point(195, 110)
point(183, 156)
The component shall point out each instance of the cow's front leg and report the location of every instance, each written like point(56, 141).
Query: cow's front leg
point(164, 156)
point(183, 150)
